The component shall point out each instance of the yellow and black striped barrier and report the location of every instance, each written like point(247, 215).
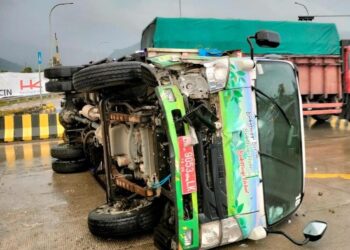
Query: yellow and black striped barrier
point(29, 127)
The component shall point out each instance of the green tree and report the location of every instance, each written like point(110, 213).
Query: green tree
point(27, 70)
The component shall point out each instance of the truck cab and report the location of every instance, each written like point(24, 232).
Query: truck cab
point(250, 169)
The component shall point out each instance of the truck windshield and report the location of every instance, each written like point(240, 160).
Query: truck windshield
point(280, 138)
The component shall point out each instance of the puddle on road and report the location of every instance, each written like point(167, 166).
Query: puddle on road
point(26, 155)
point(49, 210)
point(333, 128)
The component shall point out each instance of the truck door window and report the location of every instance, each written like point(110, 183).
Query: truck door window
point(280, 141)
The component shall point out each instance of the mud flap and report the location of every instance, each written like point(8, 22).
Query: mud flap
point(187, 230)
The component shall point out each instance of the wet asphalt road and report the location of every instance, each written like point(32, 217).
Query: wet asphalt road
point(40, 209)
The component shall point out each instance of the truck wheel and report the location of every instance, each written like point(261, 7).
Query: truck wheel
point(114, 74)
point(58, 86)
point(67, 167)
point(321, 118)
point(324, 118)
point(65, 151)
point(92, 150)
point(163, 237)
point(61, 72)
point(112, 221)
point(164, 234)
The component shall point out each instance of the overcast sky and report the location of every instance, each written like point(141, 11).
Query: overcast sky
point(91, 29)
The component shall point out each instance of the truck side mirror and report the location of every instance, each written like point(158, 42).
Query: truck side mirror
point(312, 232)
point(266, 38)
point(315, 230)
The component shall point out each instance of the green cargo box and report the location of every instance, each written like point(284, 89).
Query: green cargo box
point(297, 38)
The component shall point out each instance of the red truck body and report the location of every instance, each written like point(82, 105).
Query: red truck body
point(320, 81)
point(345, 69)
point(325, 83)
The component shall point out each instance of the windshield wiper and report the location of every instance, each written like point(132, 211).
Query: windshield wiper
point(276, 159)
point(275, 103)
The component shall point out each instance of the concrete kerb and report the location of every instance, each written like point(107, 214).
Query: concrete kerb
point(27, 127)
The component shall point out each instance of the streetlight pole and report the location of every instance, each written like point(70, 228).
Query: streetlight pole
point(305, 18)
point(50, 29)
point(310, 18)
point(180, 11)
point(307, 11)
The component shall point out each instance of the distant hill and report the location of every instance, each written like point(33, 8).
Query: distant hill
point(9, 66)
point(118, 53)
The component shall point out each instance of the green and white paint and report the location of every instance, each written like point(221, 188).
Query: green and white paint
point(240, 146)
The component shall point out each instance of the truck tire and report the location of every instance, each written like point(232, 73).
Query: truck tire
point(59, 86)
point(109, 222)
point(67, 167)
point(324, 118)
point(61, 72)
point(321, 118)
point(114, 74)
point(65, 151)
point(163, 237)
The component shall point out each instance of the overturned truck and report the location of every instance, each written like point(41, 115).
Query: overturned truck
point(204, 148)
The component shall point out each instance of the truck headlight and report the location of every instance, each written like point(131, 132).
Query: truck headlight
point(169, 95)
point(217, 74)
point(210, 235)
point(231, 231)
point(218, 233)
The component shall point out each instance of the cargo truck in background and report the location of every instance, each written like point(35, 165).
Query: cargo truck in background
point(315, 48)
point(320, 84)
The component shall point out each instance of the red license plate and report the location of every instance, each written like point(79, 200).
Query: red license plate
point(187, 165)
